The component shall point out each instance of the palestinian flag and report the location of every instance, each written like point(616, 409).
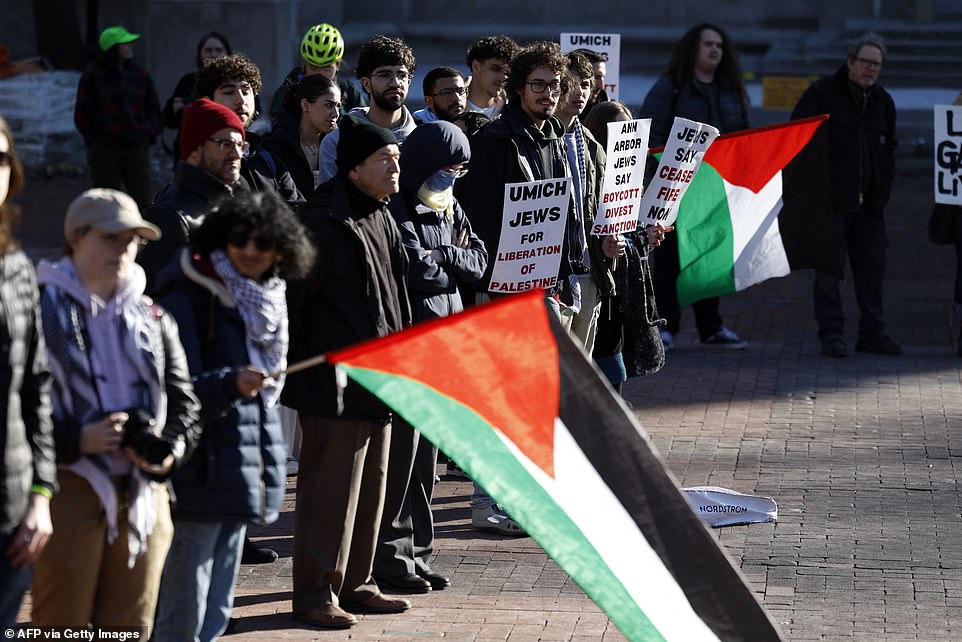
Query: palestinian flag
point(759, 207)
point(506, 394)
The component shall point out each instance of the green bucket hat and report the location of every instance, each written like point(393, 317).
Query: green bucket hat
point(116, 36)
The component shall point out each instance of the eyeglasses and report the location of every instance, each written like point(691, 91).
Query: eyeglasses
point(869, 64)
point(539, 86)
point(386, 75)
point(226, 144)
point(458, 173)
point(6, 159)
point(451, 92)
point(240, 239)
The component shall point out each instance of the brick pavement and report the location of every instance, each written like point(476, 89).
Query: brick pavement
point(861, 454)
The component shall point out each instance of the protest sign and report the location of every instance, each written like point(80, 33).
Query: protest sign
point(532, 235)
point(624, 177)
point(608, 44)
point(948, 154)
point(684, 150)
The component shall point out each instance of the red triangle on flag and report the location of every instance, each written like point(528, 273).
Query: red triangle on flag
point(499, 359)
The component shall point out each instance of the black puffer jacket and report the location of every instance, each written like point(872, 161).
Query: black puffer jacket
point(26, 435)
point(284, 144)
point(861, 138)
point(434, 284)
point(178, 211)
point(340, 303)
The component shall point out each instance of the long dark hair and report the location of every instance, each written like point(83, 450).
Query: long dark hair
point(8, 211)
point(309, 87)
point(682, 65)
point(216, 35)
point(267, 213)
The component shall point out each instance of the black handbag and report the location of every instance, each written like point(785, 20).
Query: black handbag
point(942, 224)
point(643, 351)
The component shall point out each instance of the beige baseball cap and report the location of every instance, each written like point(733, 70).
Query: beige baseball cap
point(107, 210)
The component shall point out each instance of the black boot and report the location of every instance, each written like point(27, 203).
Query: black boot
point(254, 555)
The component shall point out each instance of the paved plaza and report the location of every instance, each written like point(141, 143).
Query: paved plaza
point(862, 455)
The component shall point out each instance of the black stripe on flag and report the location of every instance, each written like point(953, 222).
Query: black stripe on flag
point(806, 222)
point(618, 448)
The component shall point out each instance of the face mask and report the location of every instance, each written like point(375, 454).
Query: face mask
point(437, 191)
point(441, 180)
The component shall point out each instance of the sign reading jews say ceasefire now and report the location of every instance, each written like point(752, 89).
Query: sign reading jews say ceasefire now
point(608, 44)
point(532, 235)
point(948, 154)
point(686, 146)
point(624, 177)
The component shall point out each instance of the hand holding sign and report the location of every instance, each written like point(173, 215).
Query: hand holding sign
point(681, 159)
point(624, 177)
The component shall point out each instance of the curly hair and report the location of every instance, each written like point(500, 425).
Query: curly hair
point(267, 213)
point(380, 51)
point(537, 54)
point(8, 211)
point(682, 65)
point(579, 64)
point(500, 47)
point(216, 35)
point(600, 115)
point(218, 71)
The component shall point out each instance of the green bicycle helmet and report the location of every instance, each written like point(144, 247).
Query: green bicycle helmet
point(322, 45)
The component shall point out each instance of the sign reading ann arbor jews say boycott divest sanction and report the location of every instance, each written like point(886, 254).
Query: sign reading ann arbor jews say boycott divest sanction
point(624, 177)
point(681, 158)
point(608, 44)
point(532, 235)
point(948, 154)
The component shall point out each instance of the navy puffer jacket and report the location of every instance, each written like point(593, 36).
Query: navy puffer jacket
point(433, 284)
point(238, 471)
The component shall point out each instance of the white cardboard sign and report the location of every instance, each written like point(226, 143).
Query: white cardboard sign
point(681, 159)
point(532, 235)
point(618, 208)
point(948, 154)
point(603, 43)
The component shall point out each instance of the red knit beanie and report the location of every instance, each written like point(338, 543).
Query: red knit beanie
point(202, 118)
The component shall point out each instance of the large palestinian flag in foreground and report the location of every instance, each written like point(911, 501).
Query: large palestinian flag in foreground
point(759, 207)
point(506, 394)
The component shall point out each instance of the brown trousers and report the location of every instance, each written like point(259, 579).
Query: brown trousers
point(82, 579)
point(340, 497)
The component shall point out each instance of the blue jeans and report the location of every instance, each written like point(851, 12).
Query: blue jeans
point(13, 582)
point(197, 590)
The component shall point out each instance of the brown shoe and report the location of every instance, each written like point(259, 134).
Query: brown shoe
point(379, 603)
point(328, 616)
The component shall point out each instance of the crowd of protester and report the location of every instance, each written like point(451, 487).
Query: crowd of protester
point(144, 369)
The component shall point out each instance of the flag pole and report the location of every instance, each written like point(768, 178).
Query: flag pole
point(300, 365)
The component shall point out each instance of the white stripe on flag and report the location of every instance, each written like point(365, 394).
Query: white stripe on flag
point(758, 250)
point(603, 520)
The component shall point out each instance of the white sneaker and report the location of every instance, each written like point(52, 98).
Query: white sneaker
point(493, 519)
point(726, 339)
point(291, 466)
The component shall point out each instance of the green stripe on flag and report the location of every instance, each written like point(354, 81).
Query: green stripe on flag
point(706, 253)
point(465, 437)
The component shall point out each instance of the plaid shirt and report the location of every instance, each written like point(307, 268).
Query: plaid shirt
point(117, 107)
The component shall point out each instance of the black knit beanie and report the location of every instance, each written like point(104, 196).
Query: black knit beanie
point(359, 138)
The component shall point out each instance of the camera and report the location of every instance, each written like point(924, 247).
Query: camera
point(139, 437)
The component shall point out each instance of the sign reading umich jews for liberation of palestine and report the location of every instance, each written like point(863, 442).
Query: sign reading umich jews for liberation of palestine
point(608, 44)
point(532, 235)
point(624, 177)
point(948, 154)
point(684, 150)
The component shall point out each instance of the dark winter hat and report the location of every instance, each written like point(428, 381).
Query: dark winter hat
point(359, 139)
point(202, 118)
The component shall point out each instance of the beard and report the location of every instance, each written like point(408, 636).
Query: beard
point(392, 103)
